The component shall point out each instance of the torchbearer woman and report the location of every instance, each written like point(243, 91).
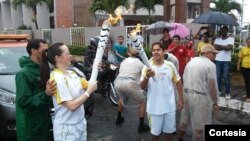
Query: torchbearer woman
point(71, 93)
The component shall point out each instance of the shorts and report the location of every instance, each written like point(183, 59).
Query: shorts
point(70, 132)
point(162, 123)
point(129, 91)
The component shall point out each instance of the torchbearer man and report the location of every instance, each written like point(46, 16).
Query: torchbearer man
point(161, 103)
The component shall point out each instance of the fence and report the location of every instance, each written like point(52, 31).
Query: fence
point(77, 36)
point(47, 35)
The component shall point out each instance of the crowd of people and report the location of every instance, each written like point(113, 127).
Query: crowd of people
point(186, 81)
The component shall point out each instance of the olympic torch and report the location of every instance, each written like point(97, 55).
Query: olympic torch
point(102, 44)
point(137, 44)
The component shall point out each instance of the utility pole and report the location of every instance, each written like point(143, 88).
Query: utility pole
point(241, 21)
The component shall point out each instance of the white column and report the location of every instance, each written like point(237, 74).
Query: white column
point(1, 19)
point(16, 16)
point(43, 16)
point(27, 17)
point(6, 14)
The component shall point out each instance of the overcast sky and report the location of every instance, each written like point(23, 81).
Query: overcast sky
point(246, 9)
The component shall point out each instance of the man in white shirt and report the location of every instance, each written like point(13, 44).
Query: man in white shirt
point(224, 45)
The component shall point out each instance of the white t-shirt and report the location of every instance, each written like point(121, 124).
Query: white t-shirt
point(224, 55)
point(69, 87)
point(161, 94)
point(131, 71)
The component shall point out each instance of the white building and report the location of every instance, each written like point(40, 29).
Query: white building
point(12, 18)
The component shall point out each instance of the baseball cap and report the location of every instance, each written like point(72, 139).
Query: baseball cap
point(208, 48)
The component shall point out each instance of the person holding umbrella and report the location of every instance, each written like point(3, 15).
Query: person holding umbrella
point(224, 45)
point(165, 41)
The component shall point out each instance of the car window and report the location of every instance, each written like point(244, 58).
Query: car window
point(9, 59)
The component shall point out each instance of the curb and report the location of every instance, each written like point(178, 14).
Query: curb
point(234, 104)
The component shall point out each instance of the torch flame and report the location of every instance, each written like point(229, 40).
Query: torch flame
point(136, 30)
point(113, 20)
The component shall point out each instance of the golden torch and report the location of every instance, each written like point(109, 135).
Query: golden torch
point(102, 44)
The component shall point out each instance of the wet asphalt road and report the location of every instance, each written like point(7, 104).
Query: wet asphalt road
point(101, 126)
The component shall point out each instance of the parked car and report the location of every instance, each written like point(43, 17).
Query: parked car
point(12, 47)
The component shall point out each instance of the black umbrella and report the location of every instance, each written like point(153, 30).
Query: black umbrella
point(157, 27)
point(215, 18)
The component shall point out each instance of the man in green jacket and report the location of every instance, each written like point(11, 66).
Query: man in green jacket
point(32, 103)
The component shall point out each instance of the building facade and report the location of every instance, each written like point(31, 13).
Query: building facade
point(69, 13)
point(63, 13)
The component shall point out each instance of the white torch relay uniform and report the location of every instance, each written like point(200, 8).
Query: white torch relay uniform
point(198, 103)
point(68, 125)
point(161, 101)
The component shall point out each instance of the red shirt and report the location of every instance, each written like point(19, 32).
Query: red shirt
point(181, 54)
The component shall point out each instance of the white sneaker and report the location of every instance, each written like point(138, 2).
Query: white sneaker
point(228, 96)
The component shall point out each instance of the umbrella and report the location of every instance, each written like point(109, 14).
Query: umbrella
point(179, 29)
point(215, 18)
point(157, 27)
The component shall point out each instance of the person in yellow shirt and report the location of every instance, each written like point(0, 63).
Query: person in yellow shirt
point(244, 66)
point(205, 41)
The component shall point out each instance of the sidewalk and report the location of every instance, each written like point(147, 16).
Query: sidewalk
point(234, 110)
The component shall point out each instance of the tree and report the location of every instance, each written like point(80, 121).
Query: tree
point(32, 4)
point(147, 4)
point(226, 6)
point(108, 6)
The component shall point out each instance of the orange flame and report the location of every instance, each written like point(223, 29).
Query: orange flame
point(137, 29)
point(113, 20)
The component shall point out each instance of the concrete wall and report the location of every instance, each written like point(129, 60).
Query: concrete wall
point(61, 35)
point(6, 14)
point(16, 16)
point(1, 23)
point(37, 34)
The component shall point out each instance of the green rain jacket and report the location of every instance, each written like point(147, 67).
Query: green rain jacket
point(32, 104)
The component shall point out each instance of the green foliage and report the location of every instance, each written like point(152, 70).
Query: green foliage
point(148, 4)
point(31, 3)
point(77, 50)
point(226, 5)
point(234, 62)
point(148, 52)
point(23, 27)
point(106, 5)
